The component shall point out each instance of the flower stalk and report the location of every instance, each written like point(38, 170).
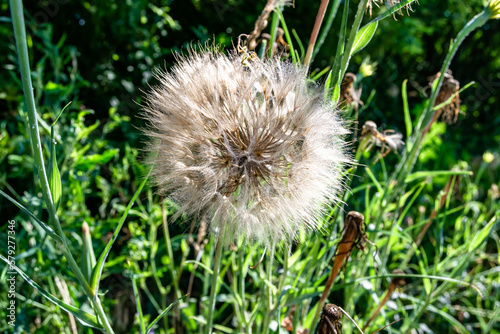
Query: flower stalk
point(409, 158)
point(22, 50)
point(219, 246)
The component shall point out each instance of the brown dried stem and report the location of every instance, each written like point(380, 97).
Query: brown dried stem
point(395, 283)
point(315, 31)
point(260, 24)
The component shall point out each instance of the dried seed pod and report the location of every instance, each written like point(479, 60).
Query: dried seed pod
point(388, 140)
point(330, 320)
point(449, 90)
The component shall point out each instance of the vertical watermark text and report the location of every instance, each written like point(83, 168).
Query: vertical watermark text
point(11, 273)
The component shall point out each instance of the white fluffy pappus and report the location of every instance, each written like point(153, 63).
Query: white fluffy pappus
point(253, 148)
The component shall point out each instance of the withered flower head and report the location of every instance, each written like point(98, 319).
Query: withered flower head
point(386, 139)
point(252, 147)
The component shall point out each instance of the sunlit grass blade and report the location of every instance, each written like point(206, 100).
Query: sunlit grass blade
point(299, 43)
point(480, 237)
point(406, 110)
point(346, 55)
point(430, 277)
point(328, 24)
point(88, 256)
point(53, 170)
point(338, 54)
point(85, 318)
point(425, 174)
point(321, 73)
point(138, 304)
point(97, 272)
point(287, 36)
point(53, 173)
point(450, 99)
point(162, 314)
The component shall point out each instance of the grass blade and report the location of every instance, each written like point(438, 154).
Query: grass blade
point(85, 318)
point(424, 174)
point(46, 227)
point(406, 110)
point(97, 272)
point(162, 314)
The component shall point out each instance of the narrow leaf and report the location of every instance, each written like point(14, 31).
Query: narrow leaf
point(97, 271)
point(46, 227)
point(364, 36)
point(406, 109)
point(85, 318)
point(60, 113)
point(88, 256)
point(336, 94)
point(53, 173)
point(480, 237)
point(425, 174)
point(162, 314)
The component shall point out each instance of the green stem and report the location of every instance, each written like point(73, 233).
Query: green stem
point(22, 48)
point(269, 310)
point(352, 37)
point(103, 319)
point(274, 27)
point(215, 276)
point(409, 158)
point(142, 325)
point(168, 245)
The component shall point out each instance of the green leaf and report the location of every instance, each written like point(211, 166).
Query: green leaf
point(406, 109)
point(60, 113)
point(89, 161)
point(53, 173)
point(336, 94)
point(46, 227)
point(287, 36)
point(340, 48)
point(85, 318)
point(480, 237)
point(364, 36)
point(162, 314)
point(88, 256)
point(97, 271)
point(425, 174)
point(327, 85)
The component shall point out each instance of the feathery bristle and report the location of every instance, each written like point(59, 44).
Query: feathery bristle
point(251, 147)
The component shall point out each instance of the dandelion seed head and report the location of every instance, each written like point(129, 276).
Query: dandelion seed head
point(252, 148)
